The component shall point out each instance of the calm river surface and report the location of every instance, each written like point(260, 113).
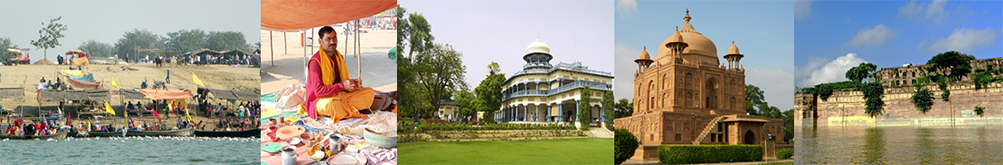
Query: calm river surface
point(132, 150)
point(899, 145)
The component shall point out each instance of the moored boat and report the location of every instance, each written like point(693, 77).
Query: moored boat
point(106, 134)
point(57, 136)
point(180, 132)
point(245, 133)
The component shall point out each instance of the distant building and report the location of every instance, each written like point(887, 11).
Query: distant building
point(447, 109)
point(545, 93)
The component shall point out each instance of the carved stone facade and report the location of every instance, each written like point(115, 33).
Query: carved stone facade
point(684, 96)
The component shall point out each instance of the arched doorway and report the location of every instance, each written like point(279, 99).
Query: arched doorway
point(711, 91)
point(750, 138)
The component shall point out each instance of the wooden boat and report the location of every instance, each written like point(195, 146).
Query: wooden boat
point(57, 136)
point(246, 133)
point(106, 134)
point(180, 132)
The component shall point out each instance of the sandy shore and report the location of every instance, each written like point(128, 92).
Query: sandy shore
point(128, 77)
point(378, 71)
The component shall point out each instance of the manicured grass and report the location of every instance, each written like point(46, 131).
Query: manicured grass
point(781, 163)
point(563, 151)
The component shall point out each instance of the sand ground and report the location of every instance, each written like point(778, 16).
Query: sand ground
point(128, 77)
point(288, 64)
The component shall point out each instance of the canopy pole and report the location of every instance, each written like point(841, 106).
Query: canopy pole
point(357, 49)
point(271, 43)
point(285, 44)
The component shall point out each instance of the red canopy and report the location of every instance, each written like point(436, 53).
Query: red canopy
point(166, 94)
point(304, 14)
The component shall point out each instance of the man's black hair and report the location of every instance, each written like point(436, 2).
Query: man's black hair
point(325, 30)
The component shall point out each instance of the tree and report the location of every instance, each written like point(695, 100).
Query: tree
point(442, 70)
point(229, 40)
point(753, 99)
point(951, 63)
point(584, 109)
point(922, 99)
point(132, 41)
point(623, 108)
point(419, 34)
point(980, 110)
point(48, 37)
point(861, 71)
point(468, 103)
point(607, 106)
point(97, 49)
point(187, 40)
point(4, 45)
point(625, 146)
point(788, 117)
point(489, 91)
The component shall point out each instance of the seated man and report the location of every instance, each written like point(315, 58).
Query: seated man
point(329, 90)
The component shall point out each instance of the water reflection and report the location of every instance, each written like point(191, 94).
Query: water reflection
point(899, 145)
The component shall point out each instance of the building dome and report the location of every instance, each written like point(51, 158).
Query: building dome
point(644, 54)
point(699, 46)
point(733, 49)
point(537, 47)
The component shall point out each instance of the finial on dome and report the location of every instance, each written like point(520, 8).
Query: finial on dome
point(687, 18)
point(677, 28)
point(645, 48)
point(732, 42)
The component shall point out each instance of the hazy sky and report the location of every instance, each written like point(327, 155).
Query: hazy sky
point(834, 36)
point(107, 21)
point(499, 31)
point(762, 31)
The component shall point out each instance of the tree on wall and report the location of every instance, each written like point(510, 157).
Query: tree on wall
point(860, 72)
point(584, 110)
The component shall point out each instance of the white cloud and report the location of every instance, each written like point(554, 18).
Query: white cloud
point(873, 36)
point(802, 9)
point(627, 8)
point(805, 71)
point(777, 85)
point(964, 39)
point(933, 12)
point(833, 71)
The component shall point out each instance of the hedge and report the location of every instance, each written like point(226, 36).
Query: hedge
point(625, 145)
point(687, 154)
point(784, 154)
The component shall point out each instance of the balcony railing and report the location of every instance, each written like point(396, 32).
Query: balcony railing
point(564, 88)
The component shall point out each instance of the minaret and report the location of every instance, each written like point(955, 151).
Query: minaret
point(643, 61)
point(676, 44)
point(733, 56)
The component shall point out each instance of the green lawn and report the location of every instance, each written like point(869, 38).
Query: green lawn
point(563, 151)
point(781, 163)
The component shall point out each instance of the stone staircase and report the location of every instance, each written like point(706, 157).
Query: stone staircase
point(600, 132)
point(707, 129)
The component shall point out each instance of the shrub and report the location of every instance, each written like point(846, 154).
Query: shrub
point(625, 145)
point(784, 154)
point(687, 154)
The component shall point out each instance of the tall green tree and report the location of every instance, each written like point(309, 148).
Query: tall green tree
point(623, 108)
point(187, 40)
point(132, 41)
point(860, 72)
point(5, 44)
point(608, 105)
point(442, 70)
point(419, 34)
point(489, 91)
point(48, 37)
point(97, 49)
point(753, 99)
point(584, 109)
point(229, 40)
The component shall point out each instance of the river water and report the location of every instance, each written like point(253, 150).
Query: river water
point(899, 145)
point(132, 150)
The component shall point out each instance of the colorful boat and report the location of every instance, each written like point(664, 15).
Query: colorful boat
point(57, 136)
point(106, 134)
point(246, 133)
point(180, 132)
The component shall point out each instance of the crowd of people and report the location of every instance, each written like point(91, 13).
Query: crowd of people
point(44, 84)
point(20, 127)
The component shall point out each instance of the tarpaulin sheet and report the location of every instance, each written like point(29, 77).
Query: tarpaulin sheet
point(73, 72)
point(89, 77)
point(166, 94)
point(83, 84)
point(304, 14)
point(79, 61)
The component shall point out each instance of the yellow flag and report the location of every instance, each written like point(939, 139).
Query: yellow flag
point(186, 114)
point(108, 108)
point(196, 80)
point(113, 82)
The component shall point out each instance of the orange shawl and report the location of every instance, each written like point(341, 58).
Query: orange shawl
point(327, 77)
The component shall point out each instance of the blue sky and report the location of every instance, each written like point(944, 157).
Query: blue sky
point(833, 36)
point(106, 21)
point(762, 30)
point(499, 31)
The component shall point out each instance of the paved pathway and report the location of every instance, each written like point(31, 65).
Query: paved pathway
point(601, 132)
point(655, 162)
